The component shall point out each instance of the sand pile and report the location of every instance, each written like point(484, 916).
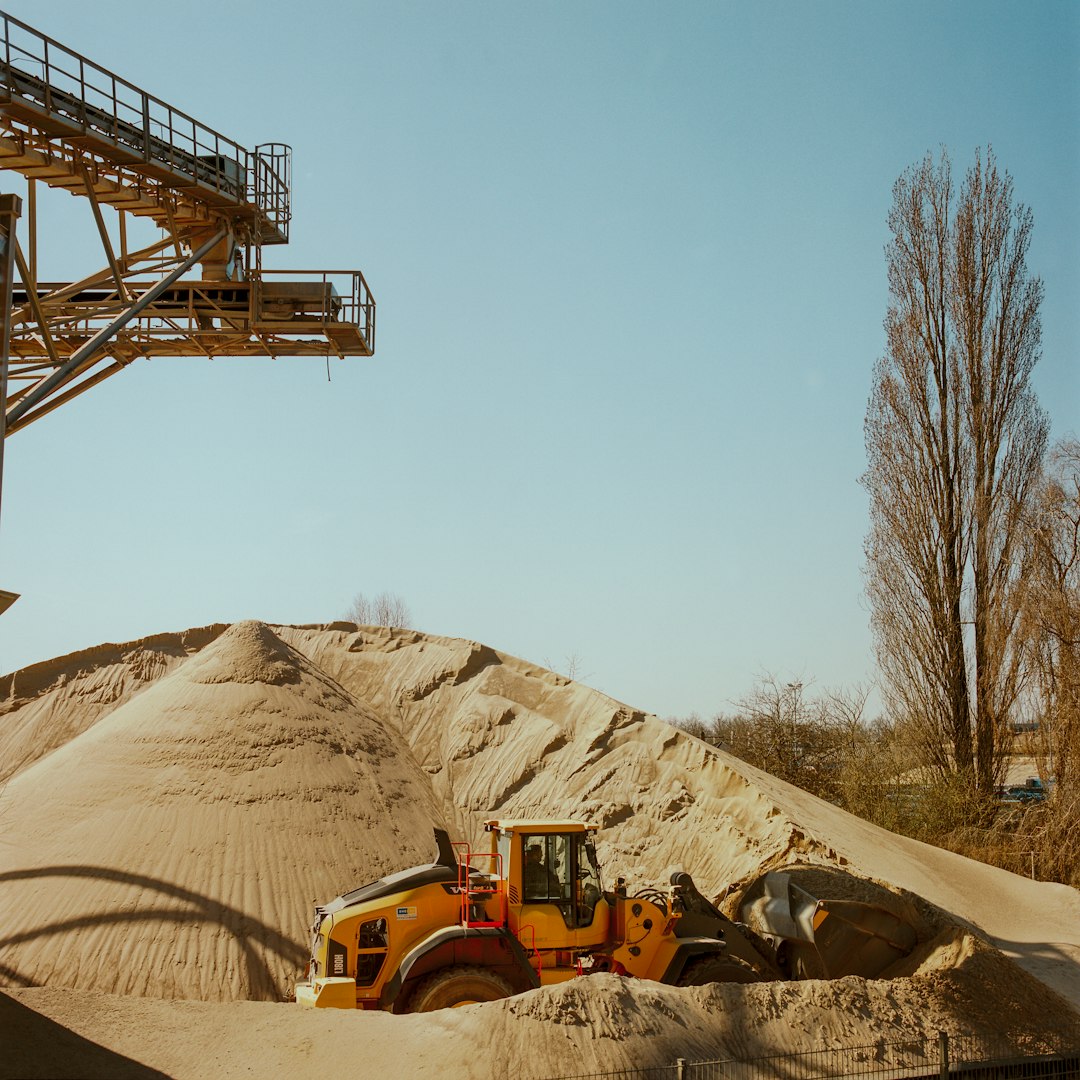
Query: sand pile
point(173, 848)
point(46, 705)
point(501, 736)
point(185, 799)
point(583, 1027)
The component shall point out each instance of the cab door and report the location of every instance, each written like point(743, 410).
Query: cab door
point(561, 895)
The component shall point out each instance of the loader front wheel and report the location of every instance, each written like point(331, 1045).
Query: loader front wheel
point(710, 969)
point(453, 987)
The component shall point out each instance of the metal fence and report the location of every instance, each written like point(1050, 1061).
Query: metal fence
point(946, 1056)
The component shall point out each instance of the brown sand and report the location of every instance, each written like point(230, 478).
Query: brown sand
point(177, 804)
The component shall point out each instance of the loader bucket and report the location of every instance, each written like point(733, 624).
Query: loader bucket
point(822, 938)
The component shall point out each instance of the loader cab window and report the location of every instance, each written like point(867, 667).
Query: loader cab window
point(560, 869)
point(546, 877)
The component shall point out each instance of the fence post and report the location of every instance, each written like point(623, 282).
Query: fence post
point(680, 1068)
point(943, 1048)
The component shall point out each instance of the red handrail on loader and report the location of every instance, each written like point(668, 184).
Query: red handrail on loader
point(478, 891)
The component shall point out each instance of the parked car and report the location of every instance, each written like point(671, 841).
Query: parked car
point(1030, 791)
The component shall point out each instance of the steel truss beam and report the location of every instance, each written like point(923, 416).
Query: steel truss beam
point(10, 209)
point(87, 354)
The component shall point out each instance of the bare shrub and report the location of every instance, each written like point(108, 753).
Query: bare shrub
point(386, 609)
point(826, 745)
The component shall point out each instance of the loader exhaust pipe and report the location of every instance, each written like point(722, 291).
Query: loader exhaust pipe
point(446, 855)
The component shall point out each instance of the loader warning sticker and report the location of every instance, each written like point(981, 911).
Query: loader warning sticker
point(406, 913)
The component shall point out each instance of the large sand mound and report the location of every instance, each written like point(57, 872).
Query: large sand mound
point(177, 804)
point(173, 848)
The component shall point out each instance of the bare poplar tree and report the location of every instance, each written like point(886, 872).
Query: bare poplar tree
point(995, 309)
point(386, 609)
point(1052, 614)
point(915, 548)
point(954, 439)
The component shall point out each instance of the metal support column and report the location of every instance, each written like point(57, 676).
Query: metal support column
point(10, 209)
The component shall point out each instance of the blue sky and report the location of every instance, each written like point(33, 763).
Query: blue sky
point(630, 274)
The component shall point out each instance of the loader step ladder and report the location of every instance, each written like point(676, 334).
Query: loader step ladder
point(528, 930)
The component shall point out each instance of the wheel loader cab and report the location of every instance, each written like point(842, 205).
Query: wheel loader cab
point(554, 894)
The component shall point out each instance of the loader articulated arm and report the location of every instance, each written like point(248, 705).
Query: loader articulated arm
point(702, 918)
point(693, 900)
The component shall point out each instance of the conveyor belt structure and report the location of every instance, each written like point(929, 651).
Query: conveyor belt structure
point(200, 290)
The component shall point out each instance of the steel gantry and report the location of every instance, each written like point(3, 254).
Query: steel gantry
point(198, 288)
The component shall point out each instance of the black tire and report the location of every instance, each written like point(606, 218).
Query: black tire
point(712, 969)
point(453, 987)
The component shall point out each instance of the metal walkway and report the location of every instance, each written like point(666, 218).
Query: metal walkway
point(50, 94)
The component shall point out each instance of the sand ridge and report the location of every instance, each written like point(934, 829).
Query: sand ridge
point(48, 704)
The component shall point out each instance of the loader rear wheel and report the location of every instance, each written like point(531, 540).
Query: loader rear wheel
point(453, 987)
point(710, 969)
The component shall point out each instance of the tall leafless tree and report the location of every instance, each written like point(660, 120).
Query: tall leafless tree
point(955, 440)
point(1052, 614)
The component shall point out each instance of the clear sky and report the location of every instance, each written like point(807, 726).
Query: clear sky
point(629, 265)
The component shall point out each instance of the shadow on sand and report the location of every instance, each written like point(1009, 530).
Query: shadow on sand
point(36, 1047)
point(247, 932)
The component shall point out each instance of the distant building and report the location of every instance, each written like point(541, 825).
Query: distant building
point(1024, 727)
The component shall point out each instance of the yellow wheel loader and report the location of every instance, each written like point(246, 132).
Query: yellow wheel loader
point(531, 911)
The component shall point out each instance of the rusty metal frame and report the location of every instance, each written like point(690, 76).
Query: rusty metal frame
point(73, 125)
point(66, 95)
point(86, 354)
point(10, 209)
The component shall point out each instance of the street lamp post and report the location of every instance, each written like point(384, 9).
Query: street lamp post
point(795, 691)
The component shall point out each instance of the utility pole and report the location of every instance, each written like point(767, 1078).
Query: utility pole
point(794, 690)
